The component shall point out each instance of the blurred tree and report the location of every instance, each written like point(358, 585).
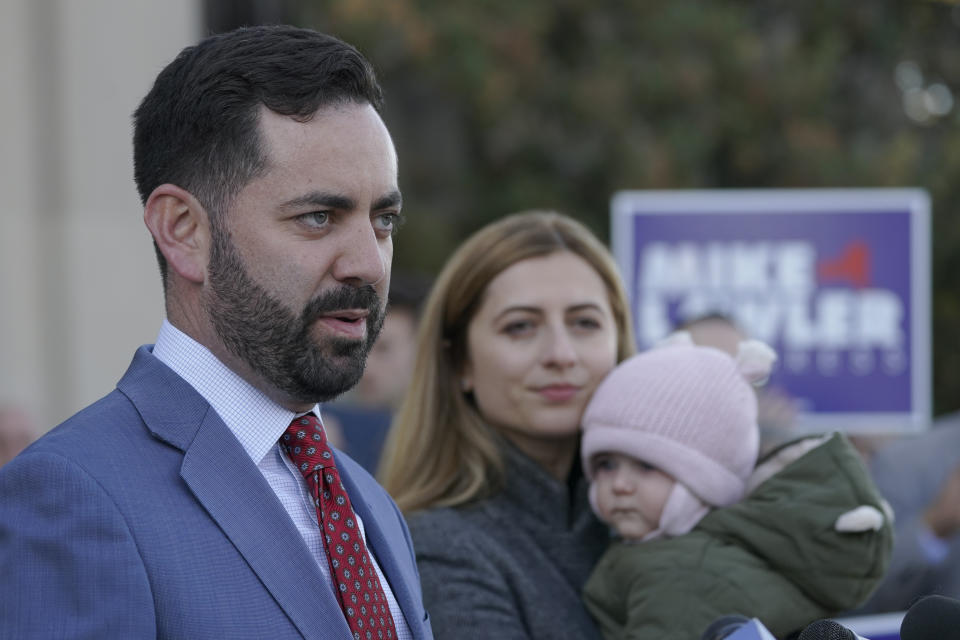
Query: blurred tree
point(498, 106)
point(225, 15)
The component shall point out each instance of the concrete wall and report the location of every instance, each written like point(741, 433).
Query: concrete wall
point(79, 287)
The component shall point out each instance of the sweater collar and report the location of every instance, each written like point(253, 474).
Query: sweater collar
point(532, 489)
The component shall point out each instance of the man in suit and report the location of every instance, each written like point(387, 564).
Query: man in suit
point(181, 504)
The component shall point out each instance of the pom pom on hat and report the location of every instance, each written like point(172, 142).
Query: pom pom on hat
point(688, 410)
point(755, 360)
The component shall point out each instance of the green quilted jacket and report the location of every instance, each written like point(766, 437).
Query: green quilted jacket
point(776, 555)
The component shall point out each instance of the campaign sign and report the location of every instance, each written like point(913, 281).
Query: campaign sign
point(837, 281)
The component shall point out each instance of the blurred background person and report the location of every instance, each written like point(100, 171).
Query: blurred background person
point(920, 477)
point(526, 318)
point(391, 360)
point(17, 430)
point(359, 420)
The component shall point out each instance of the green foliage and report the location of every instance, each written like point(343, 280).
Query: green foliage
point(498, 106)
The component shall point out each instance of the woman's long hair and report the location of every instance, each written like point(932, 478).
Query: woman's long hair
point(439, 451)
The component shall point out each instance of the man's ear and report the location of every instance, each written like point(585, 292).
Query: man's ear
point(181, 228)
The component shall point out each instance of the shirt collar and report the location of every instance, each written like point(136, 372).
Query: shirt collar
point(255, 420)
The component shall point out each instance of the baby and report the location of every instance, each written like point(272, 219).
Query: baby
point(670, 444)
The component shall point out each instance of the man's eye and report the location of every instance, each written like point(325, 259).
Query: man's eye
point(316, 218)
point(389, 222)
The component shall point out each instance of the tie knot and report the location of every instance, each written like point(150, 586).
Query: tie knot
point(306, 444)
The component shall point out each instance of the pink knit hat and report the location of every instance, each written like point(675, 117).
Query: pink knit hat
point(688, 410)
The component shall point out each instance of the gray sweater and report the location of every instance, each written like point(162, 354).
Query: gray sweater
point(511, 566)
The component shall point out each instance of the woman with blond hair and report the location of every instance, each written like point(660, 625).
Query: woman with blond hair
point(523, 323)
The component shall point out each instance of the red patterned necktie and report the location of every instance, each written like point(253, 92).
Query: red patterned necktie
point(355, 579)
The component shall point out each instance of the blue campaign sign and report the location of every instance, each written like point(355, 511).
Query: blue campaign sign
point(837, 281)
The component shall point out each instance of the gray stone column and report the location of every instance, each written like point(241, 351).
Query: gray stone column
point(79, 287)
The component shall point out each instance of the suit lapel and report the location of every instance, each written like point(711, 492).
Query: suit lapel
point(235, 494)
point(385, 551)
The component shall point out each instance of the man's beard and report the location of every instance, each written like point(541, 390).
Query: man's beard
point(275, 343)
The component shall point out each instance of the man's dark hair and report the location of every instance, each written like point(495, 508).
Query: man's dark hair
point(198, 128)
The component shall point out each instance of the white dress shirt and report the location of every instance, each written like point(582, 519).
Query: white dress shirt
point(258, 422)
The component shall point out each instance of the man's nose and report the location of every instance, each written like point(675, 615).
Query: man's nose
point(364, 258)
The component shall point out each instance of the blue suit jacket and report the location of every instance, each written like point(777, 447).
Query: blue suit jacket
point(143, 517)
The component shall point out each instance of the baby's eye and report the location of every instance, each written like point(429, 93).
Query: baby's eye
point(645, 466)
point(604, 463)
